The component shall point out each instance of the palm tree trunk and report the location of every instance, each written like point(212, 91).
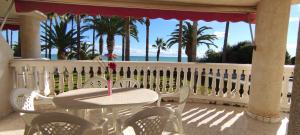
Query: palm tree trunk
point(127, 39)
point(101, 44)
point(50, 45)
point(61, 54)
point(147, 38)
point(94, 34)
point(11, 39)
point(72, 29)
point(78, 36)
point(158, 53)
point(194, 43)
point(180, 41)
point(123, 47)
point(7, 40)
point(224, 54)
point(110, 44)
point(294, 119)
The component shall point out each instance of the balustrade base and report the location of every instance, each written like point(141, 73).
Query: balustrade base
point(263, 118)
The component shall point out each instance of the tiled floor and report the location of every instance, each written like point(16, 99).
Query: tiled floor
point(198, 119)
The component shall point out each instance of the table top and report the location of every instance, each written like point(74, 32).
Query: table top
point(88, 98)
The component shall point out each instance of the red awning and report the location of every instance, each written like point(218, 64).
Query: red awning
point(11, 27)
point(59, 8)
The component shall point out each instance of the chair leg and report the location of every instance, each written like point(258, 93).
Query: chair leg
point(29, 130)
point(26, 130)
point(180, 127)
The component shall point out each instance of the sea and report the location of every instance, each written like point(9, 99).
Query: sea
point(137, 58)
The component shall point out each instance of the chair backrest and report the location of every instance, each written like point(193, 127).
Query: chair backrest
point(60, 124)
point(22, 99)
point(127, 83)
point(150, 121)
point(96, 82)
point(184, 94)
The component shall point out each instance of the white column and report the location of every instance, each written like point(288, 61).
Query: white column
point(30, 35)
point(294, 119)
point(268, 59)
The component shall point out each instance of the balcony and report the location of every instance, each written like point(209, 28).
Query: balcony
point(213, 107)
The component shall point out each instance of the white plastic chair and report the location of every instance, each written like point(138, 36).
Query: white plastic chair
point(65, 124)
point(127, 83)
point(150, 121)
point(183, 95)
point(22, 100)
point(96, 82)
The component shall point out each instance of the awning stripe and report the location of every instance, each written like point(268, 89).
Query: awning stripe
point(59, 8)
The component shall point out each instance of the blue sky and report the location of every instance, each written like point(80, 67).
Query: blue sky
point(162, 28)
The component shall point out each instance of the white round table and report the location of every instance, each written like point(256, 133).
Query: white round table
point(89, 98)
point(92, 98)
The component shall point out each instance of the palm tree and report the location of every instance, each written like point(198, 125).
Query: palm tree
point(147, 38)
point(187, 38)
point(86, 52)
point(111, 26)
point(224, 54)
point(60, 37)
point(159, 45)
point(94, 23)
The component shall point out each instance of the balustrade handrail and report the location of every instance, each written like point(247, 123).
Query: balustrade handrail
point(210, 81)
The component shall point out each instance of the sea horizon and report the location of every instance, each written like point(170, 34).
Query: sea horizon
point(135, 58)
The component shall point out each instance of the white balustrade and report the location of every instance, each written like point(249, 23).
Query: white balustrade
point(223, 83)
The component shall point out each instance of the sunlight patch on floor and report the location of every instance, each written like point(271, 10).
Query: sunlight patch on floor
point(230, 122)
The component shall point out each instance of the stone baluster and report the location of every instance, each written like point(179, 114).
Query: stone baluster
point(51, 72)
point(206, 81)
point(192, 79)
point(151, 78)
point(245, 95)
point(118, 69)
point(199, 79)
point(41, 78)
point(285, 86)
point(61, 79)
point(157, 82)
point(238, 84)
point(229, 83)
point(164, 81)
point(214, 82)
point(178, 77)
point(185, 80)
point(171, 81)
point(79, 76)
point(20, 76)
point(87, 74)
point(138, 75)
point(145, 74)
point(221, 82)
point(70, 78)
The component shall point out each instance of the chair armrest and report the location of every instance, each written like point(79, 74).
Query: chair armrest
point(169, 95)
point(160, 96)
